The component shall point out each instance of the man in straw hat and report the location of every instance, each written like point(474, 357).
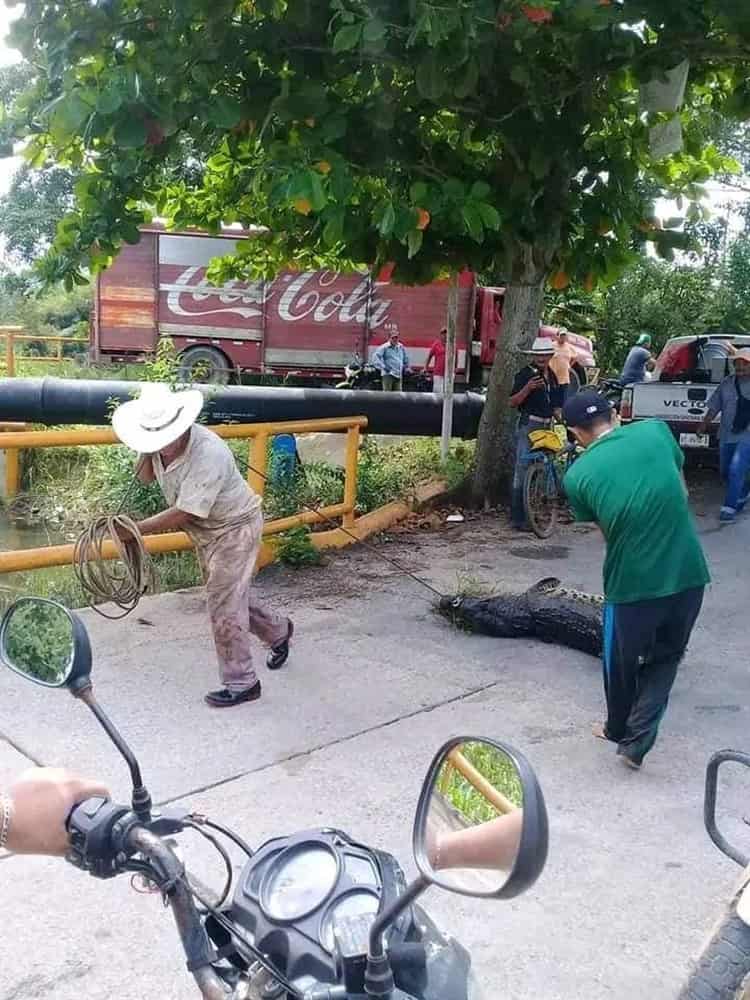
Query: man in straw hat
point(538, 397)
point(211, 501)
point(732, 400)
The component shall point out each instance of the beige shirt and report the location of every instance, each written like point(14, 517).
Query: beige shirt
point(205, 482)
point(565, 355)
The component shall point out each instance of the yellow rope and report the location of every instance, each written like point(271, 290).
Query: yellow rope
point(122, 581)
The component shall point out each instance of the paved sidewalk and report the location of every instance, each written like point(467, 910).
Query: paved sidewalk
point(343, 736)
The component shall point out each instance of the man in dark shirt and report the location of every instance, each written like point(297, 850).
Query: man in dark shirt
point(538, 397)
point(638, 361)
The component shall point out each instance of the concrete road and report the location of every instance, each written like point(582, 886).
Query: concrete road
point(343, 736)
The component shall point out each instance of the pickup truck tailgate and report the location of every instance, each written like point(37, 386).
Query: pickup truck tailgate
point(675, 402)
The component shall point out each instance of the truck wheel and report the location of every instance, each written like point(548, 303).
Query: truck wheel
point(205, 364)
point(723, 970)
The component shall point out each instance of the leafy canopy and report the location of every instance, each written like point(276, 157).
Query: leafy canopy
point(503, 136)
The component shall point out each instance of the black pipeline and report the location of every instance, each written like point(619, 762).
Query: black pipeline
point(89, 401)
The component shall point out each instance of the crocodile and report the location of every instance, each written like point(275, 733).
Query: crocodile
point(547, 611)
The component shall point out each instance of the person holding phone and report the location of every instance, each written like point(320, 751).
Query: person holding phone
point(538, 397)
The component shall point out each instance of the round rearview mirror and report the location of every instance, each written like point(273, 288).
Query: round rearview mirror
point(481, 825)
point(37, 640)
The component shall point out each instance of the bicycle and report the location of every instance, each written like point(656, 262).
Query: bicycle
point(543, 494)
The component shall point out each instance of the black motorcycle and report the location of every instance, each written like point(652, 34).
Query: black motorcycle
point(611, 389)
point(367, 377)
point(360, 376)
point(315, 915)
point(722, 971)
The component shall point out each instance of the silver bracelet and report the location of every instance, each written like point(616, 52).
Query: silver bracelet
point(6, 815)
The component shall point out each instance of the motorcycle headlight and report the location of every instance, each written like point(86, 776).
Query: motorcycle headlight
point(473, 990)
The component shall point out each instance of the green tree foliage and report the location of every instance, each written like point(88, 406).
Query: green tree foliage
point(30, 211)
point(666, 300)
point(504, 136)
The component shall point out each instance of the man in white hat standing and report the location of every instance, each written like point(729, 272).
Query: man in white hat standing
point(211, 501)
point(538, 397)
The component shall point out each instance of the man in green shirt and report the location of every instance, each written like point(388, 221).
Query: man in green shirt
point(628, 480)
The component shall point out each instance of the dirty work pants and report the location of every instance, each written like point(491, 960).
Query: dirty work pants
point(644, 643)
point(392, 384)
point(228, 566)
point(735, 467)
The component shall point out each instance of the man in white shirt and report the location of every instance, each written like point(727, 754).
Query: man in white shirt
point(208, 499)
point(563, 359)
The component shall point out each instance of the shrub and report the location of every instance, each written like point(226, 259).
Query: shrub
point(295, 548)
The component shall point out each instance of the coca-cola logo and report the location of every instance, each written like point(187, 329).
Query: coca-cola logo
point(309, 295)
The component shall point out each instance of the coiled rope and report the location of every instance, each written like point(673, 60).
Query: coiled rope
point(122, 581)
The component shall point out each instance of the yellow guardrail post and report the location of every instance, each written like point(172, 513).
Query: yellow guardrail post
point(12, 463)
point(9, 332)
point(12, 473)
point(350, 480)
point(258, 463)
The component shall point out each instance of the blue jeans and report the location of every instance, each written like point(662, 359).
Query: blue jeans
point(523, 451)
point(735, 467)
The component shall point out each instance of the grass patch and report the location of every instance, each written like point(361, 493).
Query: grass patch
point(468, 585)
point(174, 571)
point(496, 767)
point(294, 548)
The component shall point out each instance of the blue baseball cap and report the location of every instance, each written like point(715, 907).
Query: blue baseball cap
point(586, 407)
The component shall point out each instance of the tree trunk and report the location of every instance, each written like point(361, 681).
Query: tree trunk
point(496, 441)
point(450, 369)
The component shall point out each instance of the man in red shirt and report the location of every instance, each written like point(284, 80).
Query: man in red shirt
point(437, 355)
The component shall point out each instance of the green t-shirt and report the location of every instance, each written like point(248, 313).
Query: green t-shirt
point(629, 482)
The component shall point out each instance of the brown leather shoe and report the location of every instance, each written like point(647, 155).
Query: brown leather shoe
point(228, 699)
point(279, 653)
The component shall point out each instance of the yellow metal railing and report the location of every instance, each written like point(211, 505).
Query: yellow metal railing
point(14, 441)
point(15, 334)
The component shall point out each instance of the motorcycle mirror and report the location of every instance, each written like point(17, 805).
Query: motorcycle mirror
point(45, 643)
point(48, 644)
point(481, 824)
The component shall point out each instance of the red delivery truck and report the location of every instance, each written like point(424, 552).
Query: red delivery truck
point(301, 325)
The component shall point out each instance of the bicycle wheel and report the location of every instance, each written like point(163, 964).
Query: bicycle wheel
point(540, 499)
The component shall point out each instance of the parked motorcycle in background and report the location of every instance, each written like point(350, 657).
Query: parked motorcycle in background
point(359, 376)
point(314, 915)
point(722, 971)
point(367, 377)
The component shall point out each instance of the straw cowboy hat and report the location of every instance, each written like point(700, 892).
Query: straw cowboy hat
point(541, 346)
point(157, 418)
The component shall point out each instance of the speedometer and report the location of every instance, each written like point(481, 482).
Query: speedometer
point(299, 881)
point(354, 904)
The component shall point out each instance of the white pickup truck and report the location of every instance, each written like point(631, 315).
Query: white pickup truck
point(687, 372)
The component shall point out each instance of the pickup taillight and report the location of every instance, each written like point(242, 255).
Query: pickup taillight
point(626, 405)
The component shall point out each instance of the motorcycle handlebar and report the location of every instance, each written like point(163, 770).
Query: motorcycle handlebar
point(709, 803)
point(192, 933)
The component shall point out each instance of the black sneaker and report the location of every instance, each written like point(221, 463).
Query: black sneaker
point(279, 653)
point(227, 699)
point(632, 762)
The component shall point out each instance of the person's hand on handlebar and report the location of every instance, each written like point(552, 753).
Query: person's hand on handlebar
point(39, 803)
